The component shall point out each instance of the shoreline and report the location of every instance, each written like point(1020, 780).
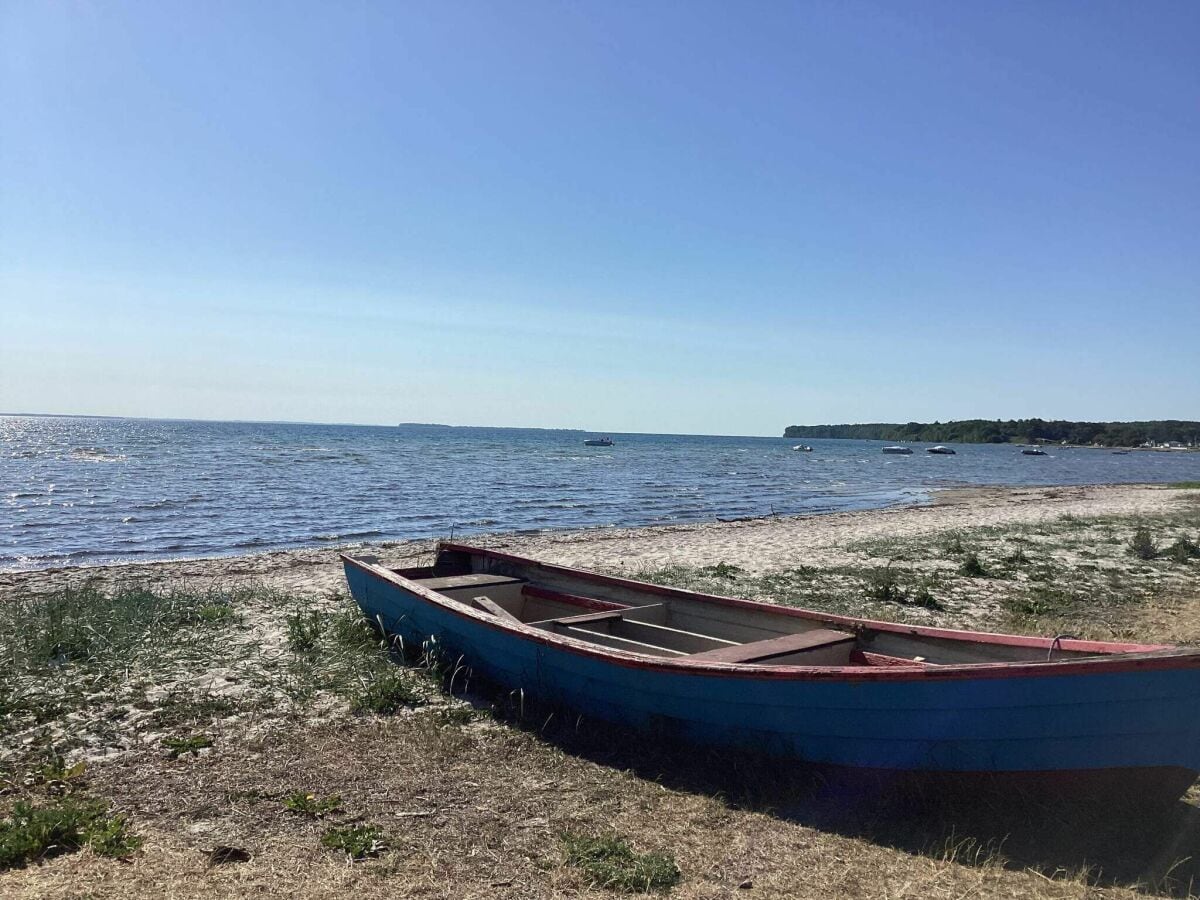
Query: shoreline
point(930, 498)
point(902, 499)
point(756, 544)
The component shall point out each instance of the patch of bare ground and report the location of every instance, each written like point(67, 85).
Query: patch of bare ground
point(254, 735)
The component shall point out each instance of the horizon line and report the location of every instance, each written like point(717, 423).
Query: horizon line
point(35, 415)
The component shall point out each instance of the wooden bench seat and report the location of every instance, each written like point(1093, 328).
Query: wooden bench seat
point(764, 651)
point(477, 580)
point(601, 615)
point(586, 618)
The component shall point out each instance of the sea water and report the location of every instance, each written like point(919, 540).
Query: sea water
point(90, 490)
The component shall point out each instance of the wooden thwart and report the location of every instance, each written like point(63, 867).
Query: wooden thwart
point(603, 615)
point(606, 616)
point(760, 651)
point(461, 581)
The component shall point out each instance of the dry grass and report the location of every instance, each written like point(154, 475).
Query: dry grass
point(474, 800)
point(479, 810)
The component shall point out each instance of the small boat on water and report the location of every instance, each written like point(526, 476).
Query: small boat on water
point(1033, 451)
point(826, 689)
point(803, 448)
point(900, 451)
point(941, 451)
point(598, 442)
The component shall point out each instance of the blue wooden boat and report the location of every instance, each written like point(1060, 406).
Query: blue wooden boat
point(827, 689)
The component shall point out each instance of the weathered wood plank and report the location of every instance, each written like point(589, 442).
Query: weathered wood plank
point(780, 646)
point(489, 605)
point(480, 579)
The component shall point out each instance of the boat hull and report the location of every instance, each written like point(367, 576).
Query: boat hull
point(1034, 724)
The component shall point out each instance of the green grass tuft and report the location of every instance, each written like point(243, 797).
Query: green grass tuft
point(883, 586)
point(179, 708)
point(387, 692)
point(1142, 546)
point(1018, 557)
point(214, 613)
point(1182, 550)
point(192, 744)
point(33, 832)
point(109, 836)
point(353, 632)
point(453, 716)
point(972, 567)
point(304, 631)
point(85, 624)
point(609, 862)
point(922, 598)
point(954, 545)
point(1040, 600)
point(311, 805)
point(721, 570)
point(357, 842)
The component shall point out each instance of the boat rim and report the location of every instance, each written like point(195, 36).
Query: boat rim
point(1122, 657)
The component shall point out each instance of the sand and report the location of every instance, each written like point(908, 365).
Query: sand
point(756, 545)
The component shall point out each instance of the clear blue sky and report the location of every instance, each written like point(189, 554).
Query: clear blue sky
point(694, 217)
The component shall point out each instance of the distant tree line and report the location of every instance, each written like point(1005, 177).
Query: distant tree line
point(1020, 431)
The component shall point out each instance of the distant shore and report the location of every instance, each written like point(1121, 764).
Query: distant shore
point(754, 544)
point(1165, 433)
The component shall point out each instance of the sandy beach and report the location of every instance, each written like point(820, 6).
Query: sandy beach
point(756, 545)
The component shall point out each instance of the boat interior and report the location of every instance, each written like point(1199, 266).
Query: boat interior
point(691, 628)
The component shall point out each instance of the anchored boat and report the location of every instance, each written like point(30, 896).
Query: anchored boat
point(827, 689)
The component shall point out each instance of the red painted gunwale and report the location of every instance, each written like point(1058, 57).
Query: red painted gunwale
point(1133, 657)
